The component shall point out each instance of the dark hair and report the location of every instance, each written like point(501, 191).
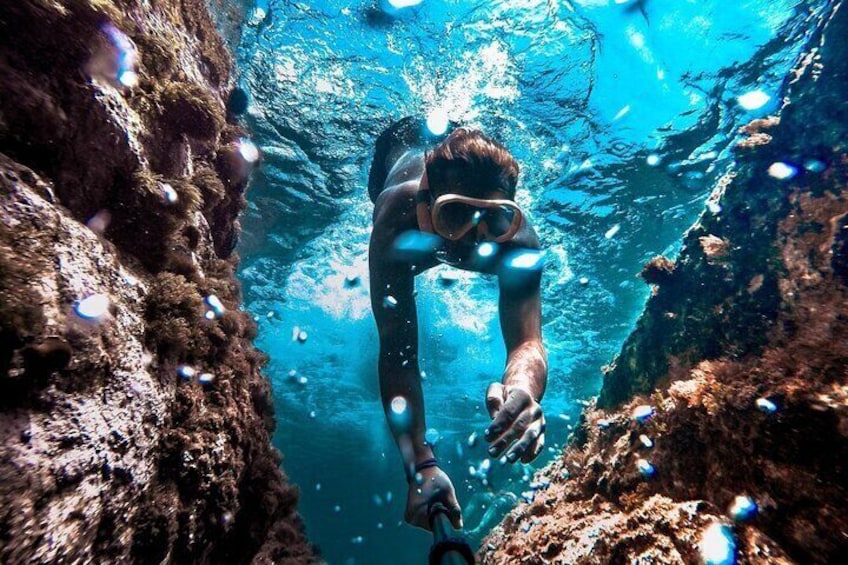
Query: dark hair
point(473, 162)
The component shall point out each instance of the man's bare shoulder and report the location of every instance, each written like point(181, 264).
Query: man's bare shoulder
point(395, 207)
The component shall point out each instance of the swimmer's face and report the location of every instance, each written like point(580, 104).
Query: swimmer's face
point(473, 237)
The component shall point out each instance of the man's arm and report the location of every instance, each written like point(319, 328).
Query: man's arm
point(393, 304)
point(518, 423)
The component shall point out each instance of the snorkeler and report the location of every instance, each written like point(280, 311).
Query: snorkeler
point(457, 198)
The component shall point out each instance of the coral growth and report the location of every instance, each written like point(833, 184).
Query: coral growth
point(726, 412)
point(135, 418)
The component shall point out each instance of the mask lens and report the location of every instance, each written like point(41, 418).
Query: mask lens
point(456, 216)
point(499, 220)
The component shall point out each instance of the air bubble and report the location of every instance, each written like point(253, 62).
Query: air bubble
point(93, 307)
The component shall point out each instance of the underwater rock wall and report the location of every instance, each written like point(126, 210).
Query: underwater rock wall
point(721, 432)
point(134, 418)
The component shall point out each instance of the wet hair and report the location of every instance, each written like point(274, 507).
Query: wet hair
point(473, 163)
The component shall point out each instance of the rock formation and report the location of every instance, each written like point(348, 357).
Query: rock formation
point(134, 416)
point(735, 381)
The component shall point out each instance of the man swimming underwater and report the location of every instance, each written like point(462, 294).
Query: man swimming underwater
point(459, 197)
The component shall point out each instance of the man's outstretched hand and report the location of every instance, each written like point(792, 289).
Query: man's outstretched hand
point(435, 486)
point(518, 424)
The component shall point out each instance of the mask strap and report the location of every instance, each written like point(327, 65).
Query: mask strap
point(422, 207)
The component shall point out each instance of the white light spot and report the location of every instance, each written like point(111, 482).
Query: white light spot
point(128, 78)
point(766, 405)
point(215, 303)
point(645, 467)
point(753, 100)
point(782, 171)
point(621, 113)
point(646, 441)
point(186, 371)
point(389, 301)
point(612, 231)
point(206, 378)
point(643, 413)
point(486, 249)
point(743, 508)
point(653, 160)
point(93, 307)
point(248, 150)
point(398, 405)
point(99, 221)
point(257, 17)
point(815, 165)
point(525, 260)
point(437, 121)
point(169, 193)
point(717, 545)
point(714, 207)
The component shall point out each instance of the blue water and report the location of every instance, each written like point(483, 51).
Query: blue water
point(621, 115)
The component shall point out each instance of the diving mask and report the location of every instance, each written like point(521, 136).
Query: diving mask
point(454, 215)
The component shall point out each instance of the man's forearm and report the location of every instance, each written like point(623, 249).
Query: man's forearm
point(527, 367)
point(406, 417)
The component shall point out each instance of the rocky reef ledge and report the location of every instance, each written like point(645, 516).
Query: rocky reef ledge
point(721, 432)
point(134, 418)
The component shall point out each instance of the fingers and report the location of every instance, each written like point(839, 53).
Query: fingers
point(517, 400)
point(455, 515)
point(513, 432)
point(530, 444)
point(494, 398)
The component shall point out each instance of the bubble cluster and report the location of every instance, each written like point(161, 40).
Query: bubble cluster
point(299, 335)
point(216, 307)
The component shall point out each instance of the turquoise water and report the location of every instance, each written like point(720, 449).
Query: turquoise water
point(621, 115)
